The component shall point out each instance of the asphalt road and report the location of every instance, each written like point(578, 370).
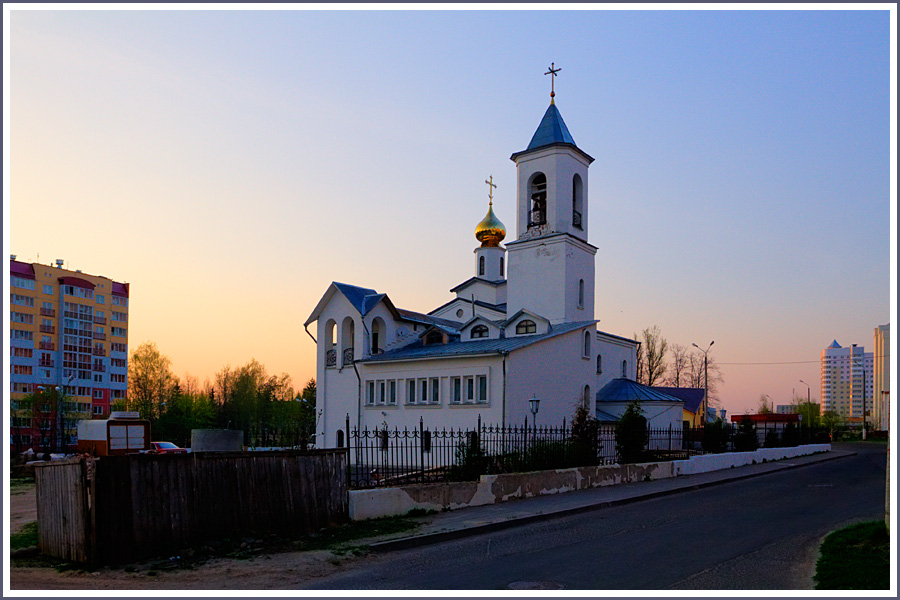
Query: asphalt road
point(761, 533)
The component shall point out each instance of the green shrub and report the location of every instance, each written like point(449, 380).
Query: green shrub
point(773, 440)
point(631, 433)
point(715, 438)
point(745, 439)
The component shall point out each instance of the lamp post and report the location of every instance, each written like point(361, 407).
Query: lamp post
point(863, 365)
point(706, 380)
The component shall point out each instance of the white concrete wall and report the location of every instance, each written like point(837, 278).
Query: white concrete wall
point(490, 489)
point(613, 351)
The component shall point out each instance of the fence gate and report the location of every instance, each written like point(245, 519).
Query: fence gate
point(63, 509)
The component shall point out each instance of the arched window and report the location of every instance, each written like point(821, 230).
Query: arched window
point(501, 266)
point(581, 293)
point(526, 326)
point(331, 341)
point(347, 334)
point(481, 265)
point(479, 331)
point(586, 351)
point(587, 395)
point(377, 334)
point(599, 364)
point(577, 201)
point(340, 438)
point(537, 192)
point(624, 368)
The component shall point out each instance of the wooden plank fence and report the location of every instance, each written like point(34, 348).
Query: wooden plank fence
point(64, 517)
point(144, 505)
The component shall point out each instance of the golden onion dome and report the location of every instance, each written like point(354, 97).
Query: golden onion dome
point(490, 232)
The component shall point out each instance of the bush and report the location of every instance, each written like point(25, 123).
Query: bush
point(715, 438)
point(631, 433)
point(585, 431)
point(471, 461)
point(773, 440)
point(745, 439)
point(790, 437)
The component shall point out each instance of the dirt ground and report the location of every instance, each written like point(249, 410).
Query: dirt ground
point(264, 572)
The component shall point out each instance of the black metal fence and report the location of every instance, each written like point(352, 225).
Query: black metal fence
point(389, 457)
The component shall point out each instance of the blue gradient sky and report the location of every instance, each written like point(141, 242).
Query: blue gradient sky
point(230, 164)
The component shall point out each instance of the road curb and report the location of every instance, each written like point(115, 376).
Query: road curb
point(441, 536)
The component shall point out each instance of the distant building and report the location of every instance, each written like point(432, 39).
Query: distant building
point(846, 376)
point(692, 398)
point(785, 409)
point(68, 331)
point(881, 388)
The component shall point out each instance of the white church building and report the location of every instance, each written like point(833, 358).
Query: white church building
point(522, 327)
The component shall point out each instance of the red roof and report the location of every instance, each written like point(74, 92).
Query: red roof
point(120, 289)
point(21, 269)
point(768, 418)
point(77, 282)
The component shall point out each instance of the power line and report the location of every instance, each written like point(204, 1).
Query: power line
point(795, 362)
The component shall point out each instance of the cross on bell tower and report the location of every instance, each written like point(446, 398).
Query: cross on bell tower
point(552, 73)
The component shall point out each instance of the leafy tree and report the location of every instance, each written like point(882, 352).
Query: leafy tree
point(764, 407)
point(150, 381)
point(715, 439)
point(631, 433)
point(584, 436)
point(832, 420)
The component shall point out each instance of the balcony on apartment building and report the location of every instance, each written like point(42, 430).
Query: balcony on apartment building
point(48, 329)
point(47, 346)
point(99, 351)
point(46, 362)
point(99, 320)
point(48, 312)
point(99, 335)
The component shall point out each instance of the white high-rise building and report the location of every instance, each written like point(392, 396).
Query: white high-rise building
point(882, 379)
point(846, 377)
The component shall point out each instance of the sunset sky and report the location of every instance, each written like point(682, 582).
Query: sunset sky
point(230, 164)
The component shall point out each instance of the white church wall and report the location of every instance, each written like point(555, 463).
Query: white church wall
point(612, 353)
point(443, 413)
point(537, 277)
point(461, 310)
point(553, 370)
point(483, 291)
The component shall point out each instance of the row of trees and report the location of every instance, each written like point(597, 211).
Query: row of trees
point(265, 407)
point(658, 363)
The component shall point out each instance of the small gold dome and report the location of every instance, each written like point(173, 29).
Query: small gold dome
point(490, 232)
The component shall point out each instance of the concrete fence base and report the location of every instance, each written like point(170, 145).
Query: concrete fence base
point(490, 489)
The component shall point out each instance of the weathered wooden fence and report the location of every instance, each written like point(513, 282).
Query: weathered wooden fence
point(64, 515)
point(144, 505)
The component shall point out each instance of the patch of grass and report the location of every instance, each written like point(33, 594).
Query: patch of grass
point(855, 558)
point(25, 538)
point(340, 538)
point(18, 483)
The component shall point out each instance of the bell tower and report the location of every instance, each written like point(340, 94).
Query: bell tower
point(551, 263)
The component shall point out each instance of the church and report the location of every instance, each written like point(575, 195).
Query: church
point(521, 328)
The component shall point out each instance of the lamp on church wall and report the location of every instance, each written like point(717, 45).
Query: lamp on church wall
point(535, 406)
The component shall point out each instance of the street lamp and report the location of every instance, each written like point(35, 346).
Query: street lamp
point(535, 406)
point(706, 378)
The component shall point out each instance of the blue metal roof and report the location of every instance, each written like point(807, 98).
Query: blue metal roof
point(552, 130)
point(626, 390)
point(459, 348)
point(357, 296)
point(692, 397)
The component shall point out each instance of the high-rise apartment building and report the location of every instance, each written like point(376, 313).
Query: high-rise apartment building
point(846, 379)
point(68, 351)
point(882, 381)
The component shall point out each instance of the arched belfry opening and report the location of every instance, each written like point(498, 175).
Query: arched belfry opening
point(577, 201)
point(537, 192)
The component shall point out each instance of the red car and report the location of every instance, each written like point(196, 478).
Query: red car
point(166, 448)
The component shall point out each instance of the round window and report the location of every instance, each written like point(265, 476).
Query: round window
point(459, 313)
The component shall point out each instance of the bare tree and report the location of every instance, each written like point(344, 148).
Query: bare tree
point(651, 356)
point(696, 375)
point(678, 374)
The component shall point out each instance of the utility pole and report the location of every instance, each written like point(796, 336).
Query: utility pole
point(706, 380)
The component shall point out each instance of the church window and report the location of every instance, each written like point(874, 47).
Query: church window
point(411, 391)
point(340, 438)
point(581, 293)
point(482, 388)
point(435, 390)
point(525, 327)
point(470, 389)
point(599, 364)
point(392, 398)
point(624, 368)
point(456, 389)
point(481, 265)
point(577, 201)
point(479, 331)
point(501, 266)
point(586, 350)
point(370, 392)
point(537, 193)
point(587, 395)
point(423, 388)
point(377, 334)
point(382, 388)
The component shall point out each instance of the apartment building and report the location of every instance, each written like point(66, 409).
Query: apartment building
point(846, 377)
point(68, 351)
point(882, 382)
